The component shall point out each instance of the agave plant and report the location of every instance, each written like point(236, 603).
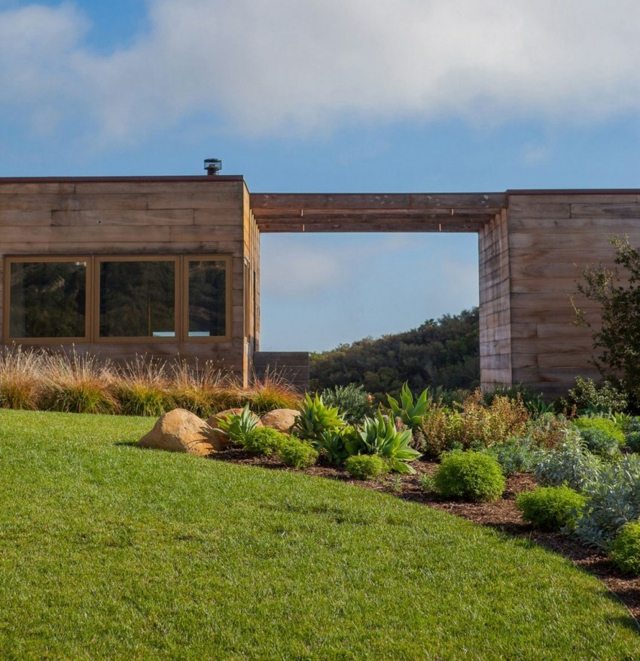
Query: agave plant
point(316, 417)
point(378, 435)
point(411, 412)
point(332, 444)
point(237, 426)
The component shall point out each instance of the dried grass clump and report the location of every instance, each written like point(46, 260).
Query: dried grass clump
point(142, 387)
point(77, 383)
point(20, 380)
point(273, 392)
point(202, 390)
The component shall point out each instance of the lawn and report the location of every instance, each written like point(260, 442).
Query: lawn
point(111, 551)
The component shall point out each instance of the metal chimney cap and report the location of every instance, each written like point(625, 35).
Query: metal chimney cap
point(212, 166)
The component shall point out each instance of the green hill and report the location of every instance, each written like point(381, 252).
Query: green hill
point(442, 352)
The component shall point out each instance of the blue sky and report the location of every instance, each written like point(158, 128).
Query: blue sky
point(328, 95)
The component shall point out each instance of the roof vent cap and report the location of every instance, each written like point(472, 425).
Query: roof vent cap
point(212, 166)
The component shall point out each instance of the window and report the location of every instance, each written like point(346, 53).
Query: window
point(119, 298)
point(48, 299)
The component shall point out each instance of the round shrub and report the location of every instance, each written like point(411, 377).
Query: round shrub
point(633, 441)
point(469, 475)
point(297, 453)
point(365, 466)
point(264, 441)
point(551, 508)
point(600, 443)
point(625, 550)
point(570, 463)
point(604, 425)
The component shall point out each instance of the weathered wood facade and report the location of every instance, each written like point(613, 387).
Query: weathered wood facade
point(533, 246)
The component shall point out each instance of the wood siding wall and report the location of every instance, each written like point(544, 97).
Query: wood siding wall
point(199, 216)
point(552, 238)
point(495, 318)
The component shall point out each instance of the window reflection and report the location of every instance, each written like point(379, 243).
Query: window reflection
point(47, 299)
point(207, 296)
point(137, 299)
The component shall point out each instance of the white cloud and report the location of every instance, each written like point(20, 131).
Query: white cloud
point(284, 65)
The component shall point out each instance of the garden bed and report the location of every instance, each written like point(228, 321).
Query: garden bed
point(502, 515)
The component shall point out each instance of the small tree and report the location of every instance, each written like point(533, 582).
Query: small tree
point(617, 291)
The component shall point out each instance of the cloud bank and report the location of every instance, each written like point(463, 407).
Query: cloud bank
point(282, 66)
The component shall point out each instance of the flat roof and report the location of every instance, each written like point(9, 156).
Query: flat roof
point(146, 178)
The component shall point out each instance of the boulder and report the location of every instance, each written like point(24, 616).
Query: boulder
point(280, 419)
point(180, 431)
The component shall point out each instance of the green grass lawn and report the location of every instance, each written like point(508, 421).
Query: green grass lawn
point(111, 551)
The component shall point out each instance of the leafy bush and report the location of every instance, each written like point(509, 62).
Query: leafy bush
point(604, 425)
point(238, 426)
point(332, 444)
point(548, 430)
point(551, 508)
point(351, 400)
point(570, 463)
point(612, 501)
point(297, 453)
point(533, 401)
point(469, 475)
point(316, 417)
point(366, 466)
point(632, 441)
point(379, 436)
point(411, 412)
point(516, 455)
point(265, 441)
point(474, 424)
point(600, 443)
point(593, 399)
point(625, 550)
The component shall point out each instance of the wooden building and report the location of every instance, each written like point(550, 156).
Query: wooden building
point(170, 266)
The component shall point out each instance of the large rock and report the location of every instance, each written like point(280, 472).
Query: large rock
point(180, 431)
point(280, 419)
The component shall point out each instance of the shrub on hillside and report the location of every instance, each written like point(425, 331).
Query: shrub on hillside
point(516, 455)
point(264, 441)
point(297, 453)
point(570, 463)
point(473, 424)
point(316, 417)
point(470, 476)
point(625, 550)
point(612, 500)
point(351, 400)
point(366, 466)
point(551, 508)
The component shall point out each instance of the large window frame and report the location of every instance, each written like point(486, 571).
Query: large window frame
point(92, 298)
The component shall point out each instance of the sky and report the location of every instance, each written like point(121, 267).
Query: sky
point(331, 96)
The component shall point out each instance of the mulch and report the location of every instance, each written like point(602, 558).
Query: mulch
point(502, 515)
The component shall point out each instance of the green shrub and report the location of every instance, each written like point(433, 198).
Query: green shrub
point(411, 412)
point(632, 441)
point(590, 398)
point(379, 436)
point(603, 425)
point(625, 550)
point(516, 455)
point(297, 453)
point(264, 441)
point(238, 426)
point(570, 463)
point(600, 443)
point(612, 500)
point(316, 417)
point(551, 508)
point(470, 476)
point(332, 445)
point(366, 466)
point(351, 400)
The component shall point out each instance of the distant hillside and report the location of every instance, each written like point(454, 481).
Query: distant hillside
point(441, 352)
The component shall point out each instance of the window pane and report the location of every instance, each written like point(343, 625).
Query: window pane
point(207, 304)
point(47, 299)
point(137, 299)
